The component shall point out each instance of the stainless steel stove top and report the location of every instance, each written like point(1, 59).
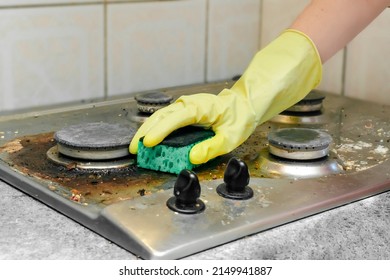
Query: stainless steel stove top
point(129, 206)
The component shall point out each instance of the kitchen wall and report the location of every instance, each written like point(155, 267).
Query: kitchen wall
point(57, 51)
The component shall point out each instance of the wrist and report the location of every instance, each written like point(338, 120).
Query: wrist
point(280, 75)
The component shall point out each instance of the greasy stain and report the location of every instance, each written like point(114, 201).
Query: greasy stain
point(27, 155)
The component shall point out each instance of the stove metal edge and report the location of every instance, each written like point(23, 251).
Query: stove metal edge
point(146, 227)
point(164, 234)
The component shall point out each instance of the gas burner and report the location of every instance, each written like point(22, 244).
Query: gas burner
point(152, 101)
point(148, 103)
point(299, 143)
point(92, 146)
point(306, 111)
point(72, 163)
point(276, 167)
point(311, 103)
point(299, 153)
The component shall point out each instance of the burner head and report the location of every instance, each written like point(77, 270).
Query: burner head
point(299, 143)
point(71, 162)
point(311, 103)
point(152, 101)
point(307, 111)
point(94, 141)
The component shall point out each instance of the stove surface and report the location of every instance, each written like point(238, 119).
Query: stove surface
point(128, 205)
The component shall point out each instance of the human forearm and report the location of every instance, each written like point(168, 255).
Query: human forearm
point(331, 24)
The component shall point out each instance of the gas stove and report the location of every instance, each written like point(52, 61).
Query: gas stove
point(339, 154)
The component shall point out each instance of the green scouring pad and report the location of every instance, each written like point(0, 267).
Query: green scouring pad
point(172, 154)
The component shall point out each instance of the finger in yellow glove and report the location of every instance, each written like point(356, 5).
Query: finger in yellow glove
point(278, 76)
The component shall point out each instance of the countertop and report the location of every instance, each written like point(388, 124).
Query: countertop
point(30, 230)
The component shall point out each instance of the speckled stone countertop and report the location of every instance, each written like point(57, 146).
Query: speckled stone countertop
point(360, 230)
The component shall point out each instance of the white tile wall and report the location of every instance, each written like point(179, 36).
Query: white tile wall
point(277, 16)
point(50, 55)
point(153, 45)
point(368, 62)
point(114, 1)
point(43, 2)
point(54, 53)
point(233, 37)
point(332, 78)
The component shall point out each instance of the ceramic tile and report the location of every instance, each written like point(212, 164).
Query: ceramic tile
point(50, 55)
point(277, 15)
point(43, 2)
point(233, 37)
point(116, 1)
point(368, 71)
point(152, 45)
point(332, 74)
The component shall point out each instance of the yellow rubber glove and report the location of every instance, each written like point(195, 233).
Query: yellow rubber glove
point(279, 76)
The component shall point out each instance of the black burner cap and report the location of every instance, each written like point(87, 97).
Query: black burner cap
point(153, 98)
point(313, 96)
point(152, 101)
point(311, 103)
point(95, 135)
point(293, 139)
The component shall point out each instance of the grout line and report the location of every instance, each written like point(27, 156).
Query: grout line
point(206, 60)
point(105, 50)
point(344, 71)
point(65, 4)
point(23, 6)
point(260, 40)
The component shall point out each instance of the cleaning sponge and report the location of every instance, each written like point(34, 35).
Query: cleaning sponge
point(172, 154)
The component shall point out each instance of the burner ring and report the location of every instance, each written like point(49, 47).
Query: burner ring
point(309, 110)
point(55, 156)
point(310, 103)
point(301, 118)
point(152, 101)
point(277, 167)
point(94, 153)
point(94, 141)
point(299, 143)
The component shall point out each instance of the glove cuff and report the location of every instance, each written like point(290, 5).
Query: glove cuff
point(310, 41)
point(280, 75)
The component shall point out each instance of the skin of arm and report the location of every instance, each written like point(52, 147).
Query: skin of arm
point(331, 24)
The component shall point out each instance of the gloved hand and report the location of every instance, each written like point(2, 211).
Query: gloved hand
point(279, 76)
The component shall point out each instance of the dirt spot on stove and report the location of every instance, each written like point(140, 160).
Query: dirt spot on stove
point(28, 156)
point(11, 147)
